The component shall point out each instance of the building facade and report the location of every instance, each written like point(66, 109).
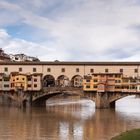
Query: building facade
point(4, 82)
point(70, 73)
point(25, 82)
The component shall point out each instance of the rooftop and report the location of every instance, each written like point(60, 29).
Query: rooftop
point(80, 63)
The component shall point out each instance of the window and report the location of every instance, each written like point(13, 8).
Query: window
point(121, 70)
point(91, 70)
point(87, 80)
point(35, 85)
point(35, 80)
point(94, 86)
point(12, 84)
point(117, 76)
point(23, 79)
point(17, 78)
point(110, 75)
point(77, 69)
point(34, 69)
point(117, 81)
point(29, 78)
point(125, 80)
point(48, 70)
point(63, 69)
point(136, 70)
point(106, 70)
point(20, 69)
point(6, 78)
point(88, 86)
point(95, 80)
point(6, 69)
point(29, 85)
point(6, 86)
point(0, 79)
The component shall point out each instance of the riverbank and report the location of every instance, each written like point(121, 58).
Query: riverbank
point(129, 135)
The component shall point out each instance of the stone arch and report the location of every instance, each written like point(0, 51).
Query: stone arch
point(118, 96)
point(48, 81)
point(77, 81)
point(63, 81)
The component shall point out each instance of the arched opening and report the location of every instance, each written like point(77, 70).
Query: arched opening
point(48, 81)
point(63, 81)
point(77, 81)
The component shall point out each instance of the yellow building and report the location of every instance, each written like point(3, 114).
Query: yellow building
point(18, 81)
point(26, 82)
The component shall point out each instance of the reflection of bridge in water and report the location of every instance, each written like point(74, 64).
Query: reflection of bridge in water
point(101, 99)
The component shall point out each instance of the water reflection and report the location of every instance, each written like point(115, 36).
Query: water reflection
point(69, 119)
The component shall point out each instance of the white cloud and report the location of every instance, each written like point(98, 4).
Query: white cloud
point(76, 30)
point(15, 45)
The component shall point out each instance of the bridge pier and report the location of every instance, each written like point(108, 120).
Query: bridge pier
point(102, 101)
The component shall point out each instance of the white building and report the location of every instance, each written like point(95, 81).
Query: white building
point(22, 58)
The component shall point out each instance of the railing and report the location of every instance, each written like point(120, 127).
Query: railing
point(56, 88)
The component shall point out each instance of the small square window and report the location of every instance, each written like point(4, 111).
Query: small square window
point(136, 70)
point(34, 69)
point(35, 85)
point(48, 70)
point(121, 70)
point(63, 70)
point(106, 70)
point(77, 69)
point(6, 69)
point(35, 80)
point(91, 70)
point(20, 69)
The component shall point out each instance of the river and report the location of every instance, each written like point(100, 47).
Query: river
point(69, 119)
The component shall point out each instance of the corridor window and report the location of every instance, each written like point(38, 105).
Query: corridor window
point(63, 69)
point(77, 69)
point(6, 69)
point(136, 70)
point(91, 70)
point(20, 69)
point(34, 69)
point(106, 70)
point(121, 70)
point(48, 70)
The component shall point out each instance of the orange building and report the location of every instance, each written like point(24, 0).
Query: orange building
point(101, 82)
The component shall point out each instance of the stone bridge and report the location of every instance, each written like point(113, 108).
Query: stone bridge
point(102, 99)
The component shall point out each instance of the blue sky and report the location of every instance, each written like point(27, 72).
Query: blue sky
point(71, 30)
